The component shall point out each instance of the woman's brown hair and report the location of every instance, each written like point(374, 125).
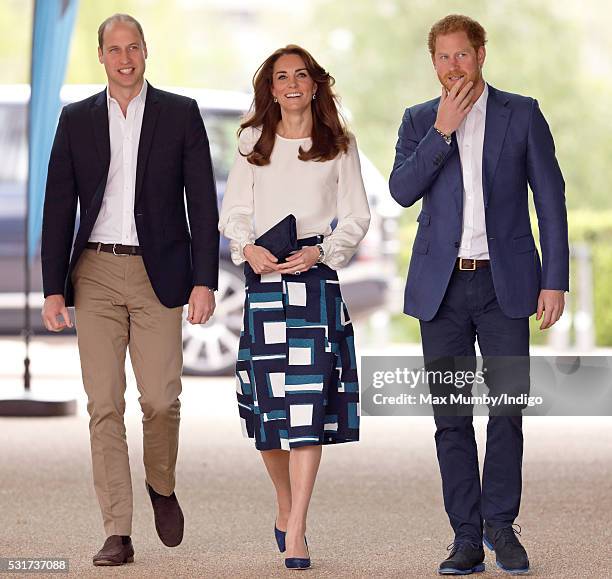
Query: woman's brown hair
point(329, 135)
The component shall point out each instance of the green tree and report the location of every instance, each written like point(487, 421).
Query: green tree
point(378, 53)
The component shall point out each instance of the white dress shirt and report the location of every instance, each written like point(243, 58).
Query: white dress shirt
point(256, 198)
point(115, 222)
point(470, 138)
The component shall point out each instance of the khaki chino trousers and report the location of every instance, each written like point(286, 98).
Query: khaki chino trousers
point(116, 308)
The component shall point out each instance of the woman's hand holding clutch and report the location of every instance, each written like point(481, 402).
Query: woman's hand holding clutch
point(260, 259)
point(300, 261)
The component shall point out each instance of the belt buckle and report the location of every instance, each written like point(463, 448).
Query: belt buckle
point(473, 268)
point(119, 254)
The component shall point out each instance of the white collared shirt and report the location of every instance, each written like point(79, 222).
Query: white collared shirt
point(470, 138)
point(115, 222)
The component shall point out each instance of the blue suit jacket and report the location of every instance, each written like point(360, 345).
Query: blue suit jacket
point(518, 150)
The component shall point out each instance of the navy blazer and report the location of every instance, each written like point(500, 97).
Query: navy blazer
point(173, 165)
point(518, 150)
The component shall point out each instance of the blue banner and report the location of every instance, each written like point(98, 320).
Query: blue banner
point(53, 24)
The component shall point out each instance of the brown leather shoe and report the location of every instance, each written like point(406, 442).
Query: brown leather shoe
point(116, 551)
point(169, 520)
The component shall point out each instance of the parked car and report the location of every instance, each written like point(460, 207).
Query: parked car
point(209, 349)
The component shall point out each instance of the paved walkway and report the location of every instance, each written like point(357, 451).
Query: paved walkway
point(376, 511)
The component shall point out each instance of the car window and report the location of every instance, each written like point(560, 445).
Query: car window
point(13, 173)
point(13, 145)
point(222, 130)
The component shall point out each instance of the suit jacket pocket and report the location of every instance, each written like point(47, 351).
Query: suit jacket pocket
point(420, 245)
point(166, 146)
point(424, 218)
point(523, 244)
point(514, 149)
point(176, 231)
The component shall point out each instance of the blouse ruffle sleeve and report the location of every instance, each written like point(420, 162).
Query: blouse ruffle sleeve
point(236, 217)
point(353, 211)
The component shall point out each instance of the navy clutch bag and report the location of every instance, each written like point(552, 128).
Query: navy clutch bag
point(281, 239)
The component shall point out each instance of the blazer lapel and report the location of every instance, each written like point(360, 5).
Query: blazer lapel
point(452, 168)
point(99, 119)
point(496, 125)
point(149, 119)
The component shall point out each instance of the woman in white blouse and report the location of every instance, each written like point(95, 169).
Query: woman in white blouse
point(296, 372)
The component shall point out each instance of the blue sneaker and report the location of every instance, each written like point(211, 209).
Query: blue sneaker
point(465, 558)
point(510, 554)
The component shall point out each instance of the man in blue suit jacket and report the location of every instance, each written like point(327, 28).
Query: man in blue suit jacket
point(475, 272)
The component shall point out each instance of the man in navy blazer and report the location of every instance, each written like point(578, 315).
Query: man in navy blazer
point(475, 272)
point(137, 161)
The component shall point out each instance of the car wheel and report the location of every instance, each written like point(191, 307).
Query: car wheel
point(210, 349)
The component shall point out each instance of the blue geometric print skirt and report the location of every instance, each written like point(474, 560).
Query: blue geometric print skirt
point(297, 370)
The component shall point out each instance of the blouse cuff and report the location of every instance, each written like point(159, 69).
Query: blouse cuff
point(336, 256)
point(237, 249)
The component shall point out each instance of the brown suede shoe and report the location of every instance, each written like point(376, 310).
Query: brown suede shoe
point(169, 520)
point(116, 551)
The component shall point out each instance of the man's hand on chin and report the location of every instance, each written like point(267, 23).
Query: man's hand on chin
point(550, 304)
point(201, 305)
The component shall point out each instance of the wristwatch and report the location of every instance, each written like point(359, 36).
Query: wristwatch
point(447, 138)
point(321, 253)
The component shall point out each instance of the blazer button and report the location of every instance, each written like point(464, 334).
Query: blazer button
point(456, 244)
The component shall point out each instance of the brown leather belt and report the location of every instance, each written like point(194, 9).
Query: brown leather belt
point(470, 264)
point(115, 248)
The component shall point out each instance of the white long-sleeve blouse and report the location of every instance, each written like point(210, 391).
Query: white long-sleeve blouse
point(256, 198)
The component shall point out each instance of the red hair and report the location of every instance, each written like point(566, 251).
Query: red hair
point(457, 23)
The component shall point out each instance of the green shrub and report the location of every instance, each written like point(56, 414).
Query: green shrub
point(585, 226)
